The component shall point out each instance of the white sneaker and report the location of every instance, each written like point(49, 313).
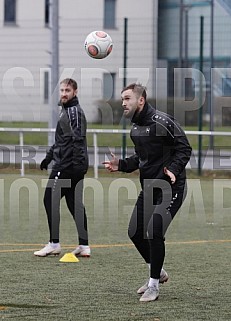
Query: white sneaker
point(82, 250)
point(49, 249)
point(163, 278)
point(151, 294)
point(143, 288)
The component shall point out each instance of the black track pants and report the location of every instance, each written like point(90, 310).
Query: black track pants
point(150, 220)
point(64, 184)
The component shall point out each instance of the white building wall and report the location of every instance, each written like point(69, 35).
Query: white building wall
point(24, 50)
point(25, 54)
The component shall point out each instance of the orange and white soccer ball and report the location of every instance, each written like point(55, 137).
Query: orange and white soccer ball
point(98, 44)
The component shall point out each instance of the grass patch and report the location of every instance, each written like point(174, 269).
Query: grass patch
point(104, 287)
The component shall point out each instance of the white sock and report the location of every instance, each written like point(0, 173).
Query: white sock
point(54, 245)
point(153, 282)
point(84, 246)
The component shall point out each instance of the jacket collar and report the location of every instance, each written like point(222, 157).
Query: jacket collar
point(139, 117)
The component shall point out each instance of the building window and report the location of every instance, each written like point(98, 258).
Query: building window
point(109, 86)
point(10, 12)
point(46, 87)
point(226, 86)
point(109, 14)
point(47, 12)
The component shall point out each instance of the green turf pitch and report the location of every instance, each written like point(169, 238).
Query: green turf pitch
point(198, 256)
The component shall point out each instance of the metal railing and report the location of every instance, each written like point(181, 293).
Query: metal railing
point(94, 132)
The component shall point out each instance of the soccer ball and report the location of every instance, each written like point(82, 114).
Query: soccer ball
point(98, 44)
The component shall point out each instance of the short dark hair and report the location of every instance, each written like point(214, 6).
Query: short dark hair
point(71, 82)
point(138, 89)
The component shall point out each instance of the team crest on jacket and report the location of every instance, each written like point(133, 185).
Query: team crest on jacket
point(148, 130)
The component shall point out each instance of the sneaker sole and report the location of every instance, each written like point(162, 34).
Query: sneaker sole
point(149, 300)
point(48, 254)
point(80, 254)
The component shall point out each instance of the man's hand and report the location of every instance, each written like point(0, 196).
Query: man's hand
point(170, 174)
point(44, 164)
point(113, 164)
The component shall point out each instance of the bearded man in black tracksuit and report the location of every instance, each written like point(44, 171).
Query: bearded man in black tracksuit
point(161, 154)
point(70, 157)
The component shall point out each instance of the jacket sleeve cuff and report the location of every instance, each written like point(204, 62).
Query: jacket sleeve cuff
point(122, 165)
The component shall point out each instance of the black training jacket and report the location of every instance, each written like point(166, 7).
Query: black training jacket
point(69, 151)
point(159, 142)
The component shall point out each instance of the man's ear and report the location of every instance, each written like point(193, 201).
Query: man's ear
point(76, 92)
point(141, 100)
